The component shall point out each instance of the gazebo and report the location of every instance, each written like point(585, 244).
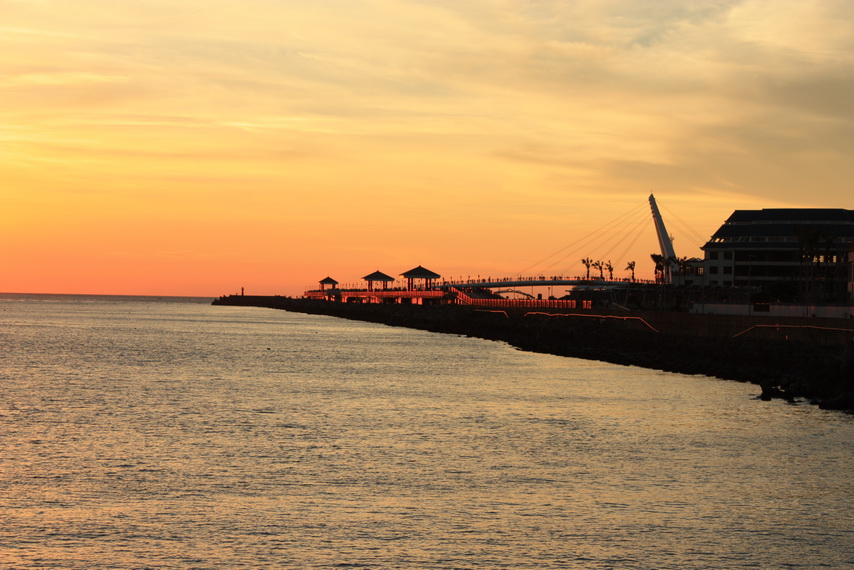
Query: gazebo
point(419, 273)
point(378, 276)
point(327, 281)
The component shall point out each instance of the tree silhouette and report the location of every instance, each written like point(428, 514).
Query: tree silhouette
point(599, 266)
point(659, 261)
point(587, 263)
point(610, 269)
point(631, 267)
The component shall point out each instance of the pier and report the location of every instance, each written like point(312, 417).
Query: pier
point(475, 292)
point(788, 358)
point(775, 263)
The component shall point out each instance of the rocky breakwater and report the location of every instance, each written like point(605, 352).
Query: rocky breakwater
point(784, 364)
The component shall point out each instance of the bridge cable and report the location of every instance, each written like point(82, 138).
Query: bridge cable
point(619, 237)
point(635, 230)
point(585, 239)
point(689, 232)
point(607, 231)
point(592, 238)
point(637, 235)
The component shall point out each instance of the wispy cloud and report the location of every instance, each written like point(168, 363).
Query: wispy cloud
point(482, 100)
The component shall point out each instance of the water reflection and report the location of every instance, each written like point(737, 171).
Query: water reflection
point(145, 434)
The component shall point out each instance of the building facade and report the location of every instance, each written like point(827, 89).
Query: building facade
point(789, 254)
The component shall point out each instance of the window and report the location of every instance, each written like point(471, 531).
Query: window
point(727, 255)
point(713, 255)
point(713, 270)
point(728, 270)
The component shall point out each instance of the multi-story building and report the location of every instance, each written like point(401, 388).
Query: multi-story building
point(790, 254)
point(851, 275)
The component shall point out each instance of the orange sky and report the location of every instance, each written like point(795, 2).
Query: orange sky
point(184, 147)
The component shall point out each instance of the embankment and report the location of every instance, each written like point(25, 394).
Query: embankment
point(788, 358)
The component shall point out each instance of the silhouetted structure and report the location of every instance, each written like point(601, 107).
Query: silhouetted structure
point(780, 262)
point(419, 273)
point(790, 254)
point(667, 266)
point(378, 276)
point(327, 281)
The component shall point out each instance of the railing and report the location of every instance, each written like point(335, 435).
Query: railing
point(421, 294)
point(464, 299)
point(518, 280)
point(381, 293)
point(460, 298)
point(539, 280)
point(316, 294)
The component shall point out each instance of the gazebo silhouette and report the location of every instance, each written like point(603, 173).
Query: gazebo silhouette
point(327, 281)
point(378, 276)
point(419, 273)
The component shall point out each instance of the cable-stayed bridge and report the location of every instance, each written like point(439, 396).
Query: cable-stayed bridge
point(421, 284)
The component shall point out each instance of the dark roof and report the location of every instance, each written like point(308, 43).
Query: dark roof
point(420, 273)
point(328, 281)
point(792, 216)
point(378, 276)
point(784, 230)
point(771, 227)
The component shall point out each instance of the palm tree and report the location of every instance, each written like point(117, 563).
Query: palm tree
point(587, 263)
point(598, 265)
point(659, 261)
point(631, 267)
point(610, 269)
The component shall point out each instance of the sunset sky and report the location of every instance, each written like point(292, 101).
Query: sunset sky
point(184, 147)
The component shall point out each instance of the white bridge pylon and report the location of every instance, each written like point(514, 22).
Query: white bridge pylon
point(669, 262)
point(668, 265)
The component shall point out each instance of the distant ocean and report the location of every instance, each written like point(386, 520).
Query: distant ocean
point(161, 432)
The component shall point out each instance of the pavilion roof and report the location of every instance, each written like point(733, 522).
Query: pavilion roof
point(378, 276)
point(328, 281)
point(420, 273)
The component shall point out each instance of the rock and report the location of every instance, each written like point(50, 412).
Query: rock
point(844, 402)
point(770, 391)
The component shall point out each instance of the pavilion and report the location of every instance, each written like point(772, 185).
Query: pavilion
point(327, 281)
point(419, 273)
point(378, 276)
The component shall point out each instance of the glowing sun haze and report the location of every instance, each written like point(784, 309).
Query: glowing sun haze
point(184, 147)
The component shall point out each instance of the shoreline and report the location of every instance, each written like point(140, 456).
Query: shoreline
point(787, 358)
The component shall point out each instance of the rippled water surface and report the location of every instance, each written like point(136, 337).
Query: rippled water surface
point(141, 432)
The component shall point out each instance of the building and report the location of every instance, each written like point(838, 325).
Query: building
point(692, 271)
point(851, 275)
point(789, 254)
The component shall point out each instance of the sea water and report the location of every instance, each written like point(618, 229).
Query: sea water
point(169, 433)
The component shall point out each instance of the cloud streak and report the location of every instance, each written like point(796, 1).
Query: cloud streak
point(477, 102)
